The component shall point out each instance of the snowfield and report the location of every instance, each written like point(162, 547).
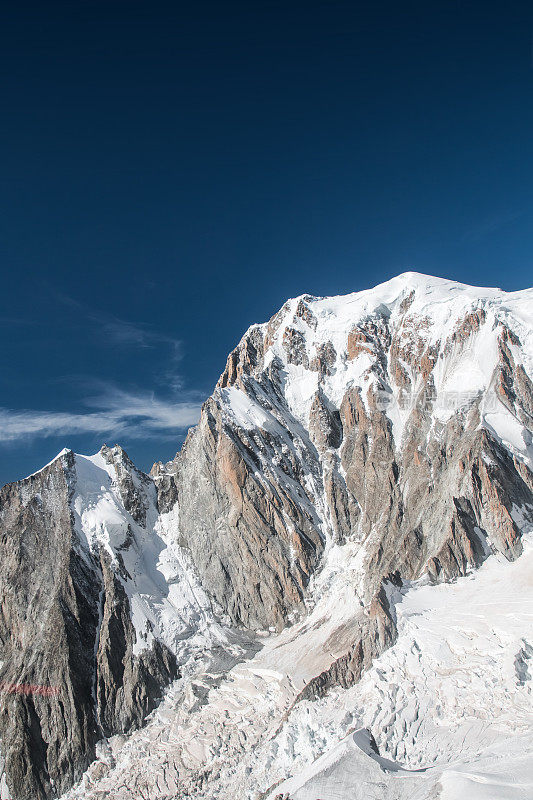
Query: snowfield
point(449, 705)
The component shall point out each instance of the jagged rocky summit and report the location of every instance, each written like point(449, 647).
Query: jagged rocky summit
point(353, 445)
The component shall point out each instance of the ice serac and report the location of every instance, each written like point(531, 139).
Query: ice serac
point(73, 669)
point(397, 418)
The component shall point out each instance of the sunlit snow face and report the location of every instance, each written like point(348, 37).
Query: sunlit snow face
point(419, 311)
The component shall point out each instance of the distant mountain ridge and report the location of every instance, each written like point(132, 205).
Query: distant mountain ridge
point(352, 445)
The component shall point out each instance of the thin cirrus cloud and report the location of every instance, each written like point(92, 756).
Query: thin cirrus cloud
point(104, 408)
point(140, 415)
point(126, 334)
point(120, 331)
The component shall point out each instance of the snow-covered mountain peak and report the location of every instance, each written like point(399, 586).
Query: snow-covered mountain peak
point(439, 299)
point(356, 452)
point(411, 334)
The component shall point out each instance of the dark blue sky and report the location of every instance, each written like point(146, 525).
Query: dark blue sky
point(173, 172)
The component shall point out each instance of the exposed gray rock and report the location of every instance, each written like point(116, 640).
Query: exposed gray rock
point(127, 687)
point(69, 675)
point(49, 598)
point(249, 525)
point(133, 494)
point(324, 423)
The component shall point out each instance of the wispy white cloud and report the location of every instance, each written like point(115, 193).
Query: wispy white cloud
point(124, 333)
point(139, 415)
point(104, 408)
point(121, 332)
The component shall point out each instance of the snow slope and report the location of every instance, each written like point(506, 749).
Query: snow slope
point(166, 599)
point(450, 703)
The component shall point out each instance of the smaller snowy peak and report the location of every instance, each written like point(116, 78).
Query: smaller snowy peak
point(98, 508)
point(105, 455)
point(117, 517)
point(64, 452)
point(116, 511)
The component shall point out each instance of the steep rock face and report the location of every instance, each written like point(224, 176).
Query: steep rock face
point(127, 686)
point(48, 622)
point(247, 516)
point(70, 673)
